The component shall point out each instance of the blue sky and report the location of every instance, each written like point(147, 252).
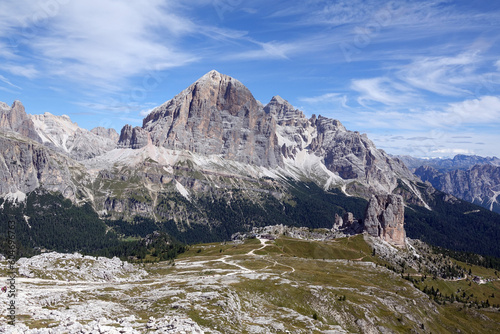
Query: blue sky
point(419, 77)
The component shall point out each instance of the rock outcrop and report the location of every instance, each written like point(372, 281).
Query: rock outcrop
point(15, 119)
point(106, 133)
point(384, 218)
point(77, 267)
point(133, 137)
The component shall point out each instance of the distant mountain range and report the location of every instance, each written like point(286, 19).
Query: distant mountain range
point(469, 177)
point(213, 161)
point(460, 161)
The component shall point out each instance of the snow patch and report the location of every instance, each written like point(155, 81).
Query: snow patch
point(311, 166)
point(26, 218)
point(493, 199)
point(16, 197)
point(416, 192)
point(182, 190)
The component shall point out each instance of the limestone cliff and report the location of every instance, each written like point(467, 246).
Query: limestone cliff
point(26, 165)
point(106, 133)
point(384, 218)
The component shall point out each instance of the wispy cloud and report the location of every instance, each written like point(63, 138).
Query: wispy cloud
point(146, 112)
point(382, 90)
point(484, 110)
point(326, 98)
point(5, 80)
point(267, 50)
point(441, 75)
point(27, 71)
point(452, 151)
point(100, 41)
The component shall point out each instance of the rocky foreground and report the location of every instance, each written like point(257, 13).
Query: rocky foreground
point(259, 285)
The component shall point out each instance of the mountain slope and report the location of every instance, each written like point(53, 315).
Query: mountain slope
point(216, 115)
point(15, 119)
point(26, 165)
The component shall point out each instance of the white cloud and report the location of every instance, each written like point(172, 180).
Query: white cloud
point(145, 112)
point(5, 80)
point(484, 110)
point(452, 151)
point(267, 50)
point(27, 71)
point(326, 98)
point(497, 64)
point(381, 89)
point(441, 75)
point(102, 42)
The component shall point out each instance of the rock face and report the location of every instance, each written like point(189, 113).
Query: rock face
point(322, 144)
point(27, 165)
point(217, 115)
point(479, 184)
point(134, 137)
point(384, 218)
point(15, 119)
point(106, 133)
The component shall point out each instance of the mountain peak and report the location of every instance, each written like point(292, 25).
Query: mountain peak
point(17, 106)
point(214, 77)
point(215, 115)
point(16, 119)
point(212, 74)
point(278, 99)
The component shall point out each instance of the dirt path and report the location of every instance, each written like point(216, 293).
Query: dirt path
point(264, 245)
point(231, 263)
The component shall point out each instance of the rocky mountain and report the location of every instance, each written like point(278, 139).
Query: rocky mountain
point(26, 165)
point(218, 116)
point(213, 161)
point(106, 133)
point(15, 119)
point(459, 161)
point(61, 134)
point(479, 184)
